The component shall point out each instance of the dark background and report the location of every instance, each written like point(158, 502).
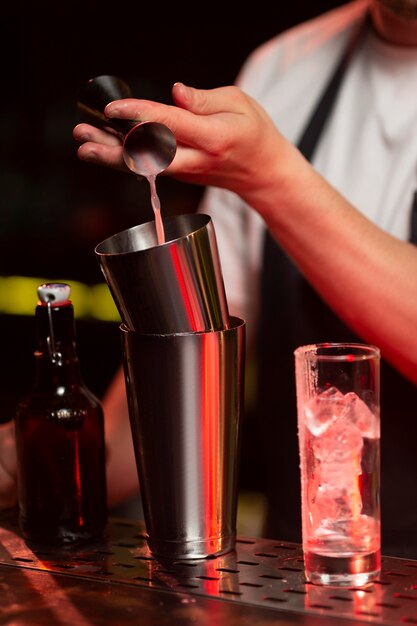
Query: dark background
point(55, 209)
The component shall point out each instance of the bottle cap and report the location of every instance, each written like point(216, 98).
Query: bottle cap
point(56, 293)
point(53, 295)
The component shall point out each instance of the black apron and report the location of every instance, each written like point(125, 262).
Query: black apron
point(293, 314)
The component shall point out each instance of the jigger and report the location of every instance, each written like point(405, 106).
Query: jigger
point(148, 147)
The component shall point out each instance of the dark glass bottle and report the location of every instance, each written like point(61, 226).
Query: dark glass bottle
point(60, 436)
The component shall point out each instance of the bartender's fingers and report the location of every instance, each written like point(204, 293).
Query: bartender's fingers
point(109, 156)
point(188, 128)
point(99, 146)
point(8, 466)
point(86, 132)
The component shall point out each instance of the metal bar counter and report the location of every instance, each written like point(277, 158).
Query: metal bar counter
point(120, 582)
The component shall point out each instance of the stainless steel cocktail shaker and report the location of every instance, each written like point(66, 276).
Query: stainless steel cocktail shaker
point(183, 360)
point(175, 287)
point(185, 395)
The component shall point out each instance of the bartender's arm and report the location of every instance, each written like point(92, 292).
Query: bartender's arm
point(122, 477)
point(8, 481)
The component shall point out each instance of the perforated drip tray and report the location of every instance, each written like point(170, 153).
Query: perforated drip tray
point(260, 572)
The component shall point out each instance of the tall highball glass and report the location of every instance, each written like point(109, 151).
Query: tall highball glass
point(338, 407)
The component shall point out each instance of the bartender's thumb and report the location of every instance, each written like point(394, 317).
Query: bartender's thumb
point(187, 97)
point(200, 101)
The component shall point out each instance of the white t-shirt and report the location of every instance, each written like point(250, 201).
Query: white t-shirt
point(368, 150)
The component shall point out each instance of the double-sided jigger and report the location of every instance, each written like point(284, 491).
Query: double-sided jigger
point(183, 358)
point(148, 147)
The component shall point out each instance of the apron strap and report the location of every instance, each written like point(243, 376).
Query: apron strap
point(310, 136)
point(413, 233)
point(307, 144)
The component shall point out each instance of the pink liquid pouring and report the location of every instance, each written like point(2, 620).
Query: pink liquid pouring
point(156, 205)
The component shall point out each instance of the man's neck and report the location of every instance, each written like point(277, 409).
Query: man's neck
point(396, 30)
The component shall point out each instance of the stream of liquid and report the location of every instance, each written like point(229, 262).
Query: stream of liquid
point(156, 205)
point(142, 163)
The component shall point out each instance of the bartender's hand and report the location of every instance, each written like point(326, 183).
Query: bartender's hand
point(224, 139)
point(8, 466)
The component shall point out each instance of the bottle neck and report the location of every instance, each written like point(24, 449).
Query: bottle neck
point(56, 356)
